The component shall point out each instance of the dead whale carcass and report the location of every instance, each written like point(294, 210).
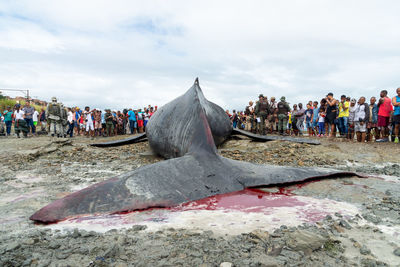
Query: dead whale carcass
point(186, 132)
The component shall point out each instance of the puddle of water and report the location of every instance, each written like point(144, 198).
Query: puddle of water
point(231, 214)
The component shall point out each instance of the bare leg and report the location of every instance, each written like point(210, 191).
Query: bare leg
point(363, 137)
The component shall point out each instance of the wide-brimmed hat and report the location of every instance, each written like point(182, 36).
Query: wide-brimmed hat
point(283, 98)
point(261, 95)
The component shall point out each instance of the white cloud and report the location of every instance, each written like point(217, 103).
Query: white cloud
point(120, 53)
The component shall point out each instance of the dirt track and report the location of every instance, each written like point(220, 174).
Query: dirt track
point(364, 228)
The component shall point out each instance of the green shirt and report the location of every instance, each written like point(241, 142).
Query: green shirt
point(7, 115)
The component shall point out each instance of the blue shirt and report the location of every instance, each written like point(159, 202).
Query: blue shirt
point(309, 113)
point(132, 116)
point(77, 114)
point(397, 108)
point(316, 111)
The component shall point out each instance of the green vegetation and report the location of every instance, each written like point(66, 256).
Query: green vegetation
point(4, 103)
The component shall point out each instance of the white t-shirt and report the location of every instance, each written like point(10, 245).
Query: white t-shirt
point(359, 113)
point(88, 116)
point(70, 116)
point(19, 115)
point(35, 116)
point(251, 108)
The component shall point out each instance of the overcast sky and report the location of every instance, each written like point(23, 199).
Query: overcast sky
point(134, 53)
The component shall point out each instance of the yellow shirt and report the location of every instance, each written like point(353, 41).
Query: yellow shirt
point(342, 112)
point(290, 117)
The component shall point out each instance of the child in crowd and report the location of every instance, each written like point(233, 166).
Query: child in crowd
point(321, 121)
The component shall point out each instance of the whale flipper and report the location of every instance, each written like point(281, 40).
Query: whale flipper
point(259, 137)
point(130, 140)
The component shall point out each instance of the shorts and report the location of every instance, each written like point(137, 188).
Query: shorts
point(308, 124)
point(383, 121)
point(89, 125)
point(140, 123)
point(396, 119)
point(98, 125)
point(82, 125)
point(315, 124)
point(360, 128)
point(330, 118)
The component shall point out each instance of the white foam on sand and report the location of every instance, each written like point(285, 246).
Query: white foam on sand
point(220, 221)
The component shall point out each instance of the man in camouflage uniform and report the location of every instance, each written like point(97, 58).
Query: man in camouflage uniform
point(262, 111)
point(108, 117)
point(64, 121)
point(53, 117)
point(283, 110)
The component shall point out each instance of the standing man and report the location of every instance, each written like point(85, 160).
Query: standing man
point(396, 115)
point(53, 117)
point(97, 122)
point(273, 117)
point(300, 115)
point(28, 116)
point(385, 108)
point(283, 110)
point(132, 121)
point(109, 118)
point(343, 116)
point(315, 117)
point(331, 111)
point(361, 117)
point(70, 119)
point(64, 120)
point(8, 120)
point(309, 116)
point(140, 122)
point(249, 112)
point(146, 117)
point(89, 121)
point(262, 111)
point(42, 120)
point(373, 120)
point(20, 124)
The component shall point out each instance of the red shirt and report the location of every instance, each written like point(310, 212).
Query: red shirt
point(385, 108)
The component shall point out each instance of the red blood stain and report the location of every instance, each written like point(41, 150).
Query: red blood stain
point(248, 200)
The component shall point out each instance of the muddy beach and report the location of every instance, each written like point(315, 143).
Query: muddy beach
point(332, 222)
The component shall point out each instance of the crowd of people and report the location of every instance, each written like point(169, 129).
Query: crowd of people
point(345, 117)
point(57, 120)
